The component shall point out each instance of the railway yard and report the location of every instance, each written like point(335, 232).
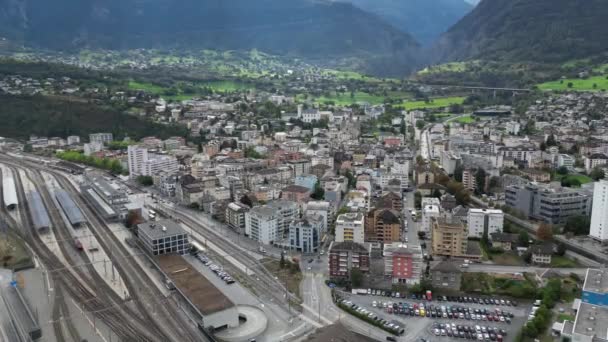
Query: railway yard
point(94, 282)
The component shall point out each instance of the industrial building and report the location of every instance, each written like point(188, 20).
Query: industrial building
point(38, 212)
point(71, 210)
point(111, 193)
point(163, 237)
point(103, 208)
point(8, 191)
point(215, 309)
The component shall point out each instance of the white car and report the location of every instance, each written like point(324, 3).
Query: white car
point(374, 304)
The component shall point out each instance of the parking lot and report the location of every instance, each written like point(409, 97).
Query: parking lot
point(466, 320)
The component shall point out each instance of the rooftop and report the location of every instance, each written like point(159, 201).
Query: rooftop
point(160, 229)
point(193, 285)
point(296, 188)
point(596, 280)
point(350, 217)
point(591, 320)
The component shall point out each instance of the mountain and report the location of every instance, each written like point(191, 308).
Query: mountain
point(426, 20)
point(544, 31)
point(306, 28)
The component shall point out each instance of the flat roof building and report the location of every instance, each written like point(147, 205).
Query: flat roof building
point(215, 309)
point(163, 237)
point(38, 212)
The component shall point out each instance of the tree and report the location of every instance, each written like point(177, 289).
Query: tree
point(570, 182)
point(352, 180)
point(561, 249)
point(319, 192)
point(597, 173)
point(544, 232)
point(480, 181)
point(578, 225)
point(27, 148)
point(246, 201)
point(418, 199)
point(420, 124)
point(523, 239)
point(562, 170)
point(551, 140)
point(356, 277)
point(145, 180)
point(570, 84)
point(436, 193)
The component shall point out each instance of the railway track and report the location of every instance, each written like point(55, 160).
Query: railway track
point(82, 293)
point(161, 315)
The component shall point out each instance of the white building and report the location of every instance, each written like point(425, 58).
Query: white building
point(513, 127)
point(101, 137)
point(488, 221)
point(350, 227)
point(594, 161)
point(599, 214)
point(318, 209)
point(261, 224)
point(73, 140)
point(91, 148)
point(270, 223)
point(428, 212)
point(143, 163)
point(565, 160)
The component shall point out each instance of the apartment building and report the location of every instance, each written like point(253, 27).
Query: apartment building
point(448, 237)
point(102, 138)
point(235, 216)
point(143, 163)
point(269, 223)
point(350, 227)
point(599, 214)
point(403, 263)
point(484, 222)
point(383, 225)
point(305, 234)
point(344, 256)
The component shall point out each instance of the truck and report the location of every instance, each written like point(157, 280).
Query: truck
point(429, 295)
point(359, 291)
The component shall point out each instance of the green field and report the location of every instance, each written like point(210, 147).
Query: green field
point(600, 82)
point(562, 261)
point(581, 178)
point(433, 103)
point(447, 67)
point(346, 99)
point(216, 86)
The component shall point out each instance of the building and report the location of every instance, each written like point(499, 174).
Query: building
point(484, 222)
point(143, 163)
point(541, 254)
point(319, 209)
point(215, 310)
point(599, 214)
point(91, 148)
point(111, 192)
point(163, 237)
point(38, 213)
point(504, 241)
point(383, 225)
point(304, 234)
point(299, 167)
point(295, 193)
point(261, 224)
point(592, 311)
point(390, 200)
point(468, 179)
point(270, 222)
point(428, 213)
point(552, 204)
point(594, 161)
point(73, 140)
point(446, 276)
point(235, 216)
point(333, 192)
point(344, 256)
point(350, 227)
point(448, 237)
point(71, 210)
point(403, 263)
point(565, 160)
point(102, 138)
point(536, 175)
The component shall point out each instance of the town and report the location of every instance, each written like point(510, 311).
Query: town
point(367, 219)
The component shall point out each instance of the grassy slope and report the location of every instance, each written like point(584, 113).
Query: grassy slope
point(601, 83)
point(435, 103)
